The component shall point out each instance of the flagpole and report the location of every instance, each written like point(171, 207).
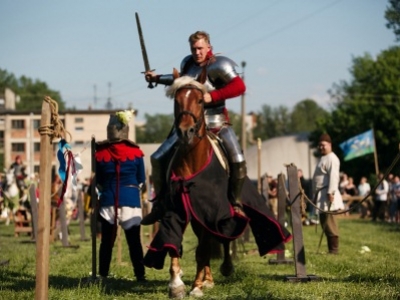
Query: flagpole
point(375, 153)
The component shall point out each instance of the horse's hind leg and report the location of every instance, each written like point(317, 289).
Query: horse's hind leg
point(227, 267)
point(176, 285)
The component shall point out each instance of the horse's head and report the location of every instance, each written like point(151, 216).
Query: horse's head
point(188, 108)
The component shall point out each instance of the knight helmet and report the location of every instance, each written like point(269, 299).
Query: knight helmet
point(116, 130)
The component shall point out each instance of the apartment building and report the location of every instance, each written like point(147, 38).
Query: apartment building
point(20, 136)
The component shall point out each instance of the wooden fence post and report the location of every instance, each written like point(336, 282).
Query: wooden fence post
point(81, 216)
point(282, 196)
point(297, 228)
point(43, 232)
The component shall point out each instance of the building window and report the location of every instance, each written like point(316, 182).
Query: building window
point(18, 147)
point(78, 120)
point(36, 147)
point(78, 128)
point(17, 124)
point(79, 143)
point(36, 124)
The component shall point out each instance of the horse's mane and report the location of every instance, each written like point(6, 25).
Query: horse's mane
point(181, 82)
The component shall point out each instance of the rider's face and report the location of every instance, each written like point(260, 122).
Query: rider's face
point(199, 50)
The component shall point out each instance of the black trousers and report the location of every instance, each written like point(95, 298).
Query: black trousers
point(379, 210)
point(132, 236)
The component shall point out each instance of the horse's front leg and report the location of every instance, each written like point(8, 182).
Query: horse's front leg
point(203, 277)
point(227, 267)
point(176, 285)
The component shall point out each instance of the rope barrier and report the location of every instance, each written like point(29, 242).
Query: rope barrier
point(340, 212)
point(56, 127)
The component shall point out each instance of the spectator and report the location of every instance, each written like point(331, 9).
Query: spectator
point(329, 199)
point(380, 199)
point(343, 182)
point(350, 188)
point(394, 190)
point(364, 189)
point(19, 173)
point(273, 195)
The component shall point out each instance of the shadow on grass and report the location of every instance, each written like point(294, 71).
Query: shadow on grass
point(357, 278)
point(120, 286)
point(19, 282)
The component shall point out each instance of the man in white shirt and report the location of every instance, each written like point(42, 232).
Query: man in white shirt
point(380, 199)
point(363, 190)
point(326, 184)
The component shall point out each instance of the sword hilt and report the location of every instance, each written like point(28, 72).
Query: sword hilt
point(150, 85)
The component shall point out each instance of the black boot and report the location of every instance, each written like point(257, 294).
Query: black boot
point(333, 244)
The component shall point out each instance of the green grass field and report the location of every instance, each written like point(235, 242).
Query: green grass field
point(349, 275)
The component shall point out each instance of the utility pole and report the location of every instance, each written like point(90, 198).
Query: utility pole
point(243, 135)
point(109, 104)
point(95, 96)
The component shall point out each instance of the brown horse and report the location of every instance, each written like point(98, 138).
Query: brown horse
point(198, 191)
point(192, 155)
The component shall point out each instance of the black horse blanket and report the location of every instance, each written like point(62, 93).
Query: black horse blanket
point(204, 200)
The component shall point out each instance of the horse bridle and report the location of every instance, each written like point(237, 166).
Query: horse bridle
point(197, 122)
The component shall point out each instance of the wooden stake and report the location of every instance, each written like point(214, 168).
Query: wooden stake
point(43, 233)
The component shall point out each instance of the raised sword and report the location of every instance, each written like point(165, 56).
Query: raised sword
point(143, 47)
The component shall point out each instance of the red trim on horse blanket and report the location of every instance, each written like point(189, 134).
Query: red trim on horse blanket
point(269, 235)
point(196, 199)
point(199, 199)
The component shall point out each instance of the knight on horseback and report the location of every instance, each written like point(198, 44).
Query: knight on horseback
point(19, 173)
point(223, 82)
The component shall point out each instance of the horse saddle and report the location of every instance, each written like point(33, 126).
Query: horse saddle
point(219, 150)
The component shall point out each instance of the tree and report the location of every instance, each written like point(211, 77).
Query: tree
point(272, 122)
point(392, 15)
point(156, 128)
point(31, 92)
point(369, 100)
point(304, 115)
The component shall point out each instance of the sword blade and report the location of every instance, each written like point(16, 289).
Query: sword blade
point(142, 44)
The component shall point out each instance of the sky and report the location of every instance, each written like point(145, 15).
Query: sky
point(89, 50)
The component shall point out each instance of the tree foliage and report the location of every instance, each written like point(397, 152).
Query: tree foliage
point(392, 16)
point(304, 116)
point(31, 91)
point(273, 122)
point(156, 128)
point(370, 100)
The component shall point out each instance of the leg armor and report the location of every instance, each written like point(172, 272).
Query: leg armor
point(236, 161)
